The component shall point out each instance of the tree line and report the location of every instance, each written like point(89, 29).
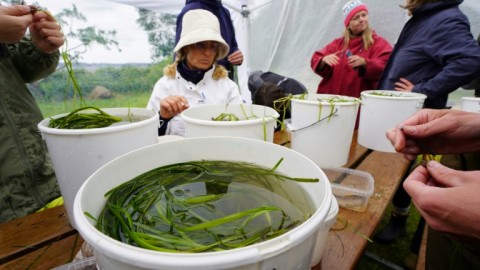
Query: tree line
point(123, 80)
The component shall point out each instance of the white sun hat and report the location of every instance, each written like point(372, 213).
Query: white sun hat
point(201, 25)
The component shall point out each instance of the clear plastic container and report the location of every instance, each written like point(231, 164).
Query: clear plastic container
point(85, 264)
point(351, 188)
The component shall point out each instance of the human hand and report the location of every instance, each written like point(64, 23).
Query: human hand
point(14, 21)
point(236, 58)
point(441, 131)
point(404, 85)
point(331, 59)
point(356, 61)
point(171, 106)
point(47, 35)
point(447, 199)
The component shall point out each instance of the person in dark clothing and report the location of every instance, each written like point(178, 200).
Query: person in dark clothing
point(475, 84)
point(434, 55)
point(235, 55)
point(27, 178)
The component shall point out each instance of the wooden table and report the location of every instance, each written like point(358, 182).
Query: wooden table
point(45, 240)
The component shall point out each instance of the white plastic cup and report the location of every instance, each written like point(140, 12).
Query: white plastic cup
point(199, 123)
point(471, 104)
point(326, 142)
point(382, 110)
point(292, 250)
point(77, 153)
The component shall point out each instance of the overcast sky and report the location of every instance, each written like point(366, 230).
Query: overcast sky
point(106, 15)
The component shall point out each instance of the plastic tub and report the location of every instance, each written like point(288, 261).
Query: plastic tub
point(77, 153)
point(351, 188)
point(292, 250)
point(323, 138)
point(199, 123)
point(382, 110)
point(470, 104)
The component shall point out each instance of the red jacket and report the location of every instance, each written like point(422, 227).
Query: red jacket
point(341, 79)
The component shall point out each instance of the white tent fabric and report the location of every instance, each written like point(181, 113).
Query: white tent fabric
point(281, 35)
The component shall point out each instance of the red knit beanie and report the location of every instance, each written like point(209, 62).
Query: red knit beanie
point(351, 8)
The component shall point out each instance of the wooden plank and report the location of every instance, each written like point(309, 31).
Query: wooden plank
point(282, 137)
point(357, 153)
point(348, 238)
point(54, 254)
point(423, 250)
point(27, 234)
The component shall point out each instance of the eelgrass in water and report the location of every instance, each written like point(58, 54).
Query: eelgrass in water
point(199, 206)
point(232, 117)
point(80, 120)
point(385, 94)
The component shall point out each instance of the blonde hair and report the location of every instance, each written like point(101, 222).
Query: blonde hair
point(367, 37)
point(171, 70)
point(415, 4)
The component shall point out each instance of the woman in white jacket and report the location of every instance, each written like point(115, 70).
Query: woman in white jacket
point(194, 78)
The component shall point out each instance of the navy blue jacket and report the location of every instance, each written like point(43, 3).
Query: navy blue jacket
point(223, 15)
point(435, 51)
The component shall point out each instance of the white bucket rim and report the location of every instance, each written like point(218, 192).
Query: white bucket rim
point(43, 125)
point(471, 98)
point(242, 256)
point(244, 122)
point(354, 100)
point(396, 95)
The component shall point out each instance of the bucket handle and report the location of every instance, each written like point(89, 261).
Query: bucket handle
point(320, 120)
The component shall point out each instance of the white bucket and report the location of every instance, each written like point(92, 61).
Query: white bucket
point(292, 250)
point(322, 233)
point(199, 123)
point(471, 104)
point(382, 110)
point(326, 142)
point(77, 153)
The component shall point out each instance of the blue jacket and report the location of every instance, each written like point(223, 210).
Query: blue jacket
point(435, 51)
point(223, 15)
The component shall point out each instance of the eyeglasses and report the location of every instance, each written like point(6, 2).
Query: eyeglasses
point(205, 45)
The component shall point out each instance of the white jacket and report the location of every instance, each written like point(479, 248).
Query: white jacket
point(207, 91)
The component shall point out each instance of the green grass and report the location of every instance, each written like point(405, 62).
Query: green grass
point(131, 100)
point(395, 252)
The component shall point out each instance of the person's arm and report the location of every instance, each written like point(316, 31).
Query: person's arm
point(236, 58)
point(14, 21)
point(37, 56)
point(447, 199)
point(30, 63)
point(322, 60)
point(437, 131)
point(377, 59)
point(453, 48)
point(167, 106)
point(46, 33)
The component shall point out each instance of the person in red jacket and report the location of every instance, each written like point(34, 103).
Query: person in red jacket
point(354, 62)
